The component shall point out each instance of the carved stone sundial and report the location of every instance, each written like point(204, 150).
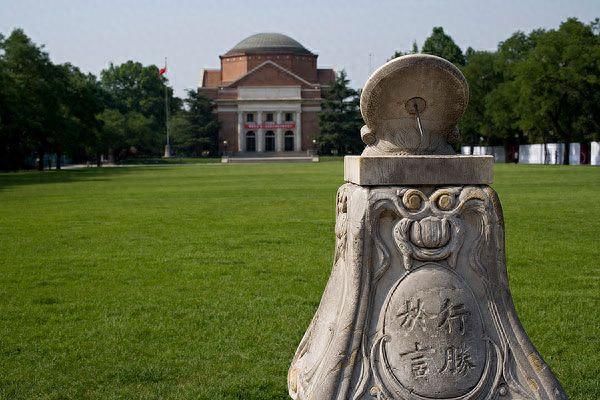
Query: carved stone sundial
point(413, 86)
point(417, 306)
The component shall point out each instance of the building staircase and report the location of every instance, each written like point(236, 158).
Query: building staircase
point(270, 157)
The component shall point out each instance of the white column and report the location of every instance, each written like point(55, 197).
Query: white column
point(595, 153)
point(298, 135)
point(279, 133)
point(241, 136)
point(260, 133)
point(574, 153)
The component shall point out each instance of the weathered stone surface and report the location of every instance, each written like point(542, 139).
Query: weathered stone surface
point(419, 84)
point(418, 170)
point(417, 306)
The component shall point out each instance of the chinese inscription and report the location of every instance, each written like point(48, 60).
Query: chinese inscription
point(452, 319)
point(419, 360)
point(412, 313)
point(453, 315)
point(435, 340)
point(458, 360)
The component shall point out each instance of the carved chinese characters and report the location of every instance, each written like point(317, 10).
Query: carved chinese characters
point(433, 341)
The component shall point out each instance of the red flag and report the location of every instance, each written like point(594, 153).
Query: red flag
point(163, 70)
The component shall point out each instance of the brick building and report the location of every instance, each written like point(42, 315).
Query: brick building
point(268, 93)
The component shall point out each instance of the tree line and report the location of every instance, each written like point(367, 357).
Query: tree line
point(56, 109)
point(542, 86)
point(534, 88)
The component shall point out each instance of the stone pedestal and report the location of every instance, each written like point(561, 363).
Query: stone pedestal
point(417, 306)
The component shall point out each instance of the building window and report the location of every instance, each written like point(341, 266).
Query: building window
point(288, 143)
point(249, 117)
point(270, 141)
point(289, 117)
point(269, 117)
point(250, 141)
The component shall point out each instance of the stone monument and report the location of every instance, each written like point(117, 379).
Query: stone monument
point(417, 306)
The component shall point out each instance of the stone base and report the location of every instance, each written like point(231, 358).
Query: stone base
point(430, 170)
point(417, 306)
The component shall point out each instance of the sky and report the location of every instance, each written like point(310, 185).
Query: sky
point(192, 34)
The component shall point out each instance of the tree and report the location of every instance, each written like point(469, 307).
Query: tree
point(442, 45)
point(340, 120)
point(13, 148)
point(33, 104)
point(195, 129)
point(136, 88)
point(112, 138)
point(82, 100)
point(398, 53)
point(483, 77)
point(44, 108)
point(559, 89)
point(47, 108)
point(515, 49)
point(501, 112)
point(125, 134)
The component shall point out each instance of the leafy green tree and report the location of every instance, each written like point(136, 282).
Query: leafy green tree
point(559, 89)
point(340, 120)
point(125, 134)
point(33, 98)
point(483, 77)
point(501, 114)
point(442, 45)
point(182, 134)
point(515, 49)
point(82, 100)
point(140, 135)
point(13, 146)
point(136, 88)
point(195, 129)
point(398, 53)
point(112, 138)
point(45, 107)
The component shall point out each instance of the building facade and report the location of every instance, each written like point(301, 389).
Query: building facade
point(268, 92)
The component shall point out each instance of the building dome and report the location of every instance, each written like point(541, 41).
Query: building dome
point(268, 43)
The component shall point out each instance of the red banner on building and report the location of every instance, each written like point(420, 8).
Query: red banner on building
point(270, 125)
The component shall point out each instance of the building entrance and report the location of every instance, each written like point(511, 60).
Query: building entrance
point(289, 141)
point(270, 141)
point(250, 141)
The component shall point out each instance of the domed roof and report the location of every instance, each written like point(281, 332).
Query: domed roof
point(268, 43)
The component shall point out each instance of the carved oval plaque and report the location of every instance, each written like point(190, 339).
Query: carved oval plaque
point(435, 344)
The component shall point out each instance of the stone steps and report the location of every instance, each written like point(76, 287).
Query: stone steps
point(287, 157)
point(269, 154)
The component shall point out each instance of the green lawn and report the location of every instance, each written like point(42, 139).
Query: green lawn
point(198, 281)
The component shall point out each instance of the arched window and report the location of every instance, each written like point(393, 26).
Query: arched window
point(288, 141)
point(250, 141)
point(270, 141)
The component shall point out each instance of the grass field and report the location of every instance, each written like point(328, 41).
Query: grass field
point(198, 281)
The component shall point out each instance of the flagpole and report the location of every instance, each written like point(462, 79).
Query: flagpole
point(168, 146)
